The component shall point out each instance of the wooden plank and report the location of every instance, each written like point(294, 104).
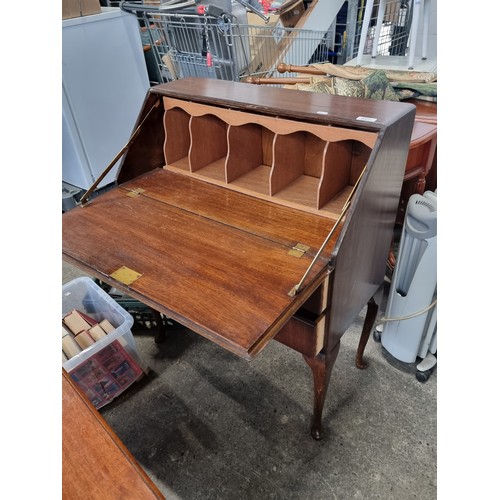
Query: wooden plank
point(332, 110)
point(177, 137)
point(302, 190)
point(95, 463)
point(223, 282)
point(208, 141)
point(255, 182)
point(336, 170)
point(283, 126)
point(268, 220)
point(244, 150)
point(288, 164)
point(314, 155)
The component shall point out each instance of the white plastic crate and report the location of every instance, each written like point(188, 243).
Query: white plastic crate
point(86, 368)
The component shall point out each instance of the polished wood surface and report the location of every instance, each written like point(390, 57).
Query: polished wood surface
point(421, 168)
point(95, 463)
point(200, 250)
point(223, 211)
point(426, 111)
point(308, 106)
point(421, 159)
point(282, 126)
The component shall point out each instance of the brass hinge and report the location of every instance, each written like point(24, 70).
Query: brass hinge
point(135, 192)
point(298, 250)
point(296, 289)
point(125, 275)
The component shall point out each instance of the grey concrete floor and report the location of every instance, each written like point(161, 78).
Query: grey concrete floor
point(205, 424)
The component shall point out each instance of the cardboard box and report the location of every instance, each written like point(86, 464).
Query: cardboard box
point(263, 56)
point(291, 15)
point(255, 20)
point(267, 41)
point(77, 8)
point(263, 42)
point(288, 15)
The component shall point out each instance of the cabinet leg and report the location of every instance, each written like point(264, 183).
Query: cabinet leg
point(161, 333)
point(321, 367)
point(371, 315)
point(420, 184)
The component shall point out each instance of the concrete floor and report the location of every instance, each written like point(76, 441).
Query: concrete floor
point(205, 424)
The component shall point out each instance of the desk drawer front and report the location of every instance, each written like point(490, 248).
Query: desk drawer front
point(304, 335)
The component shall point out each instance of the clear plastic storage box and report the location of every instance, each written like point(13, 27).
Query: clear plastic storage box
point(106, 368)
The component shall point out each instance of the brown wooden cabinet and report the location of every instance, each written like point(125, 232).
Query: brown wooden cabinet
point(253, 214)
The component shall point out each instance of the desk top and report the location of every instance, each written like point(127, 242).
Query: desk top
point(96, 464)
point(216, 260)
point(314, 107)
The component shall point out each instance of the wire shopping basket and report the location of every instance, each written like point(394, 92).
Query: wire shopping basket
point(212, 43)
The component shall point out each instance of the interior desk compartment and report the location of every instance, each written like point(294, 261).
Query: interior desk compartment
point(110, 365)
point(293, 163)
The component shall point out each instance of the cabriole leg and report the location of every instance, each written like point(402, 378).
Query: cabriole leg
point(321, 367)
point(371, 315)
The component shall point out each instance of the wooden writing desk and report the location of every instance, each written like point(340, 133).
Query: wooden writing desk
point(223, 201)
point(95, 463)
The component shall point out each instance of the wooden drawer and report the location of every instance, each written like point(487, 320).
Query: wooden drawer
point(318, 300)
point(304, 333)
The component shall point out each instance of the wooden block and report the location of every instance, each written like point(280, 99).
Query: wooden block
point(75, 322)
point(70, 346)
point(106, 326)
point(84, 339)
point(97, 332)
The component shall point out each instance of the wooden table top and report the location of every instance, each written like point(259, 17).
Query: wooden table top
point(213, 259)
point(95, 463)
point(422, 132)
point(426, 111)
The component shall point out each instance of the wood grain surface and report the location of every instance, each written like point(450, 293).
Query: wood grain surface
point(214, 260)
point(95, 463)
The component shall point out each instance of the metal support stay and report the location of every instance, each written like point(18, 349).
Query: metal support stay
point(84, 199)
point(296, 289)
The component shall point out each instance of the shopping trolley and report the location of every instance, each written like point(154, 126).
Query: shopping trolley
point(212, 43)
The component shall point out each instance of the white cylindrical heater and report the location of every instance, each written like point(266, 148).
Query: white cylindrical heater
point(409, 329)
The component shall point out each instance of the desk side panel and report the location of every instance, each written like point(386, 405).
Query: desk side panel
point(145, 153)
point(363, 247)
